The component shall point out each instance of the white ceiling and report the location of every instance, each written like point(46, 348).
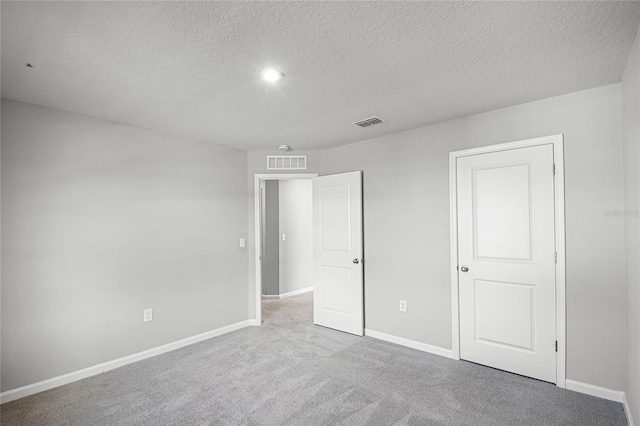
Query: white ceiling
point(193, 68)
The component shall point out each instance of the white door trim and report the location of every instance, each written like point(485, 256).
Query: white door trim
point(258, 178)
point(558, 157)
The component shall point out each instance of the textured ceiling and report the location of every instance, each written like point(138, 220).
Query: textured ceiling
point(193, 68)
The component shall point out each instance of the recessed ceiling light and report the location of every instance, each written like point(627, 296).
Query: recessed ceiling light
point(271, 74)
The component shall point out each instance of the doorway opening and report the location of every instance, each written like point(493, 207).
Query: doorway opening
point(283, 235)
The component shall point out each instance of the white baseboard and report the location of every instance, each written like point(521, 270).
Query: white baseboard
point(296, 292)
point(285, 295)
point(54, 382)
point(424, 347)
point(627, 410)
point(593, 390)
point(604, 393)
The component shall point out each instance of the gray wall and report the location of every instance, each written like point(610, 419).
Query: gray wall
point(631, 132)
point(271, 249)
point(102, 220)
point(406, 223)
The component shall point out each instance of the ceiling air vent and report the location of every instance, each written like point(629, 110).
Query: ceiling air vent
point(369, 121)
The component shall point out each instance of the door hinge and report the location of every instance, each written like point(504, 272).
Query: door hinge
point(554, 169)
point(556, 346)
point(555, 257)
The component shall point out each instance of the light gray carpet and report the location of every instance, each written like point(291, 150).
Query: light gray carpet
point(289, 372)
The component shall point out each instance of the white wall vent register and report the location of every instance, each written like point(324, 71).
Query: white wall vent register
point(286, 162)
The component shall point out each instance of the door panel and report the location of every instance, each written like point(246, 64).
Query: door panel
point(336, 291)
point(335, 218)
point(506, 239)
point(502, 210)
point(495, 301)
point(338, 281)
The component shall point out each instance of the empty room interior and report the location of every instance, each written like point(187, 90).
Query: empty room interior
point(316, 212)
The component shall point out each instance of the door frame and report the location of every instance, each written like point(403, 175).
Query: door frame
point(258, 179)
point(557, 141)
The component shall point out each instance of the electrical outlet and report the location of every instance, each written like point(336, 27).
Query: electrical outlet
point(403, 306)
point(147, 315)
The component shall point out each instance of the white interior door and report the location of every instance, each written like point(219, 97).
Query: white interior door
point(506, 252)
point(338, 264)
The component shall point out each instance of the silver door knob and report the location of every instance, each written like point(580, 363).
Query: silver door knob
point(356, 261)
point(464, 268)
